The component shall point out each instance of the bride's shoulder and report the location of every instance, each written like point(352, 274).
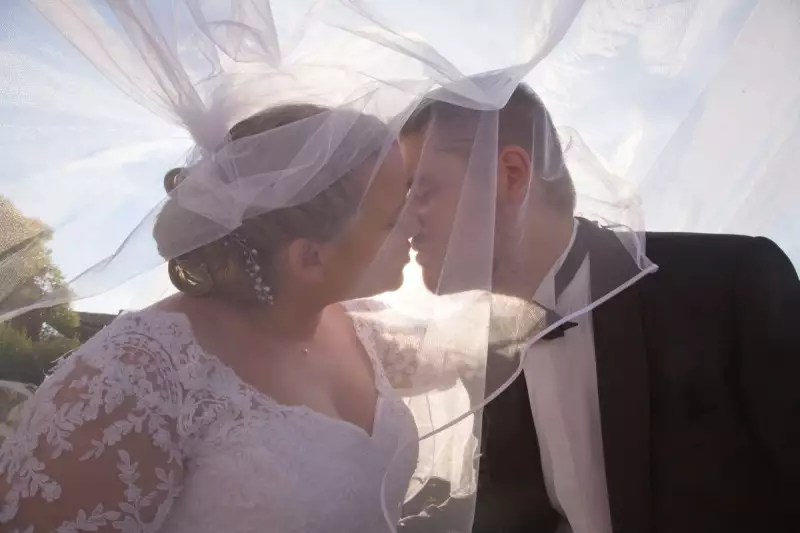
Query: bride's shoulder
point(141, 339)
point(364, 305)
point(153, 321)
point(366, 314)
point(149, 325)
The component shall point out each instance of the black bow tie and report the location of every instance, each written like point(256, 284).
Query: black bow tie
point(558, 332)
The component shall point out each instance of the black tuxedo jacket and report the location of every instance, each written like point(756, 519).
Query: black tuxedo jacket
point(698, 372)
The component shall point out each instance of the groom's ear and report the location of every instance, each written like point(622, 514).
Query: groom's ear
point(513, 174)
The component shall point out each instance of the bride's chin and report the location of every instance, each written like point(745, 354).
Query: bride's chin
point(389, 283)
point(394, 283)
point(397, 282)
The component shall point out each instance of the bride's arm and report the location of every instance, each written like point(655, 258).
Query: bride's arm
point(97, 446)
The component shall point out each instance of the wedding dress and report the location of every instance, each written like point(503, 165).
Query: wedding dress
point(210, 453)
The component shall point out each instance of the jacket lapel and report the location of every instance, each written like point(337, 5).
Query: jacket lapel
point(622, 381)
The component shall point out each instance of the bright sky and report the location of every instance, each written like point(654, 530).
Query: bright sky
point(695, 103)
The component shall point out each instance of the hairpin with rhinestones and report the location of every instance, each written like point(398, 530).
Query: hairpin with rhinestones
point(263, 292)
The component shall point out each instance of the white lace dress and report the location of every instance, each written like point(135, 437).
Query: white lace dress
point(192, 448)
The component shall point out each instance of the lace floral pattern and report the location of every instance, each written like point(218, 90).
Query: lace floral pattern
point(141, 431)
point(399, 344)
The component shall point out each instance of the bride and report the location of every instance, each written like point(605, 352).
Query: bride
point(249, 401)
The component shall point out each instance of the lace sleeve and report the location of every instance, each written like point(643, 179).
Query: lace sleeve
point(399, 344)
point(97, 446)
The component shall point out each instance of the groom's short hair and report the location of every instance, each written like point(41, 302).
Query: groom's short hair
point(524, 121)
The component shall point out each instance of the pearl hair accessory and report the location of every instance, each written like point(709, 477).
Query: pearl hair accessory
point(251, 266)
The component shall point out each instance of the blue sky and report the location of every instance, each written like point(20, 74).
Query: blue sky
point(695, 104)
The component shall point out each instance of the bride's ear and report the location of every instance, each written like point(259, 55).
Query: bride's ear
point(306, 260)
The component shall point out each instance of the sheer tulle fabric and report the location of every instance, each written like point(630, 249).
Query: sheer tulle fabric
point(140, 86)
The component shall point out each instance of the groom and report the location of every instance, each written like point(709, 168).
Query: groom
point(682, 401)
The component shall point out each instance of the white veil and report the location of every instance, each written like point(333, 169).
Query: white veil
point(686, 111)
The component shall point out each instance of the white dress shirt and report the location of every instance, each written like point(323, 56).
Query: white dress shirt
point(562, 386)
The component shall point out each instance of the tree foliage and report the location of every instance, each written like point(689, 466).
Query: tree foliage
point(31, 342)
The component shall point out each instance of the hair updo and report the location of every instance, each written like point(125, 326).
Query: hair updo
point(219, 269)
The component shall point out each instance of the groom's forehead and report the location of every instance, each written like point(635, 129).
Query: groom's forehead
point(444, 140)
point(429, 165)
point(427, 151)
point(463, 132)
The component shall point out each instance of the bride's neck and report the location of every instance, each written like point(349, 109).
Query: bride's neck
point(285, 320)
point(290, 320)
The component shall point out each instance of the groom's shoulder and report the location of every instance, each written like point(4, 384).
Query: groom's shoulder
point(694, 244)
point(716, 251)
